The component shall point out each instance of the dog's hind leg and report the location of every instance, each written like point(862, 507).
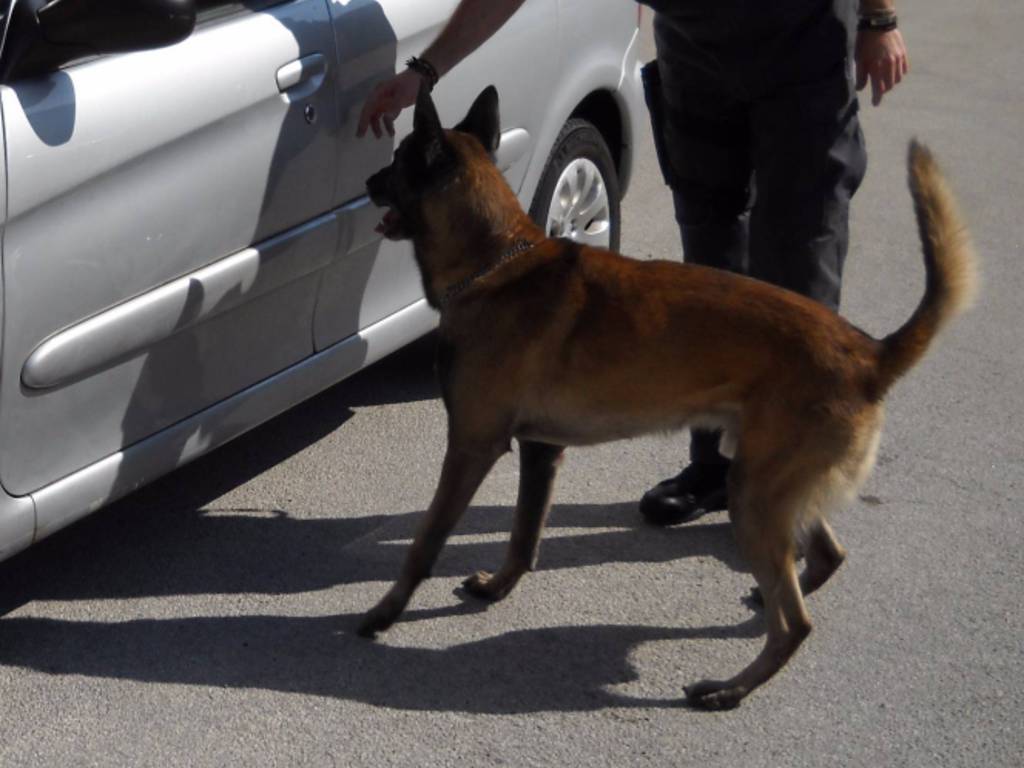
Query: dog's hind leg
point(765, 498)
point(538, 464)
point(824, 554)
point(845, 452)
point(770, 552)
point(461, 475)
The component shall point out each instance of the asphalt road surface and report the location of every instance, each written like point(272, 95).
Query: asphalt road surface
point(209, 619)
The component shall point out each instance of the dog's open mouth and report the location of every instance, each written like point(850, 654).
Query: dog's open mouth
point(378, 187)
point(391, 225)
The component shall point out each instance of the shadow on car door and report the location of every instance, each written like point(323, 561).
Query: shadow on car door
point(371, 279)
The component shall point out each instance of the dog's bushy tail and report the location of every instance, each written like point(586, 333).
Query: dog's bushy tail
point(950, 267)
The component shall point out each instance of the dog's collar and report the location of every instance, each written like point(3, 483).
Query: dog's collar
point(520, 246)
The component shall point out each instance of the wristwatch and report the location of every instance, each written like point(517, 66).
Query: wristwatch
point(879, 21)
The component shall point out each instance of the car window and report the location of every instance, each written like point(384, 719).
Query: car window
point(211, 10)
point(207, 11)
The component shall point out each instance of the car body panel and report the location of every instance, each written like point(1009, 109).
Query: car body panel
point(85, 491)
point(17, 514)
point(17, 524)
point(144, 322)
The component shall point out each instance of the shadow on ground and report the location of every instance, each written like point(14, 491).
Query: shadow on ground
point(188, 552)
point(536, 670)
point(564, 668)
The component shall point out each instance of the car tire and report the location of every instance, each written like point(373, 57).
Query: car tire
point(578, 195)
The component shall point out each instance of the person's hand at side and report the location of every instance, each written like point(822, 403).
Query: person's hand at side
point(881, 57)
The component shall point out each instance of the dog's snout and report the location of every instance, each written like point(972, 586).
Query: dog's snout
point(377, 185)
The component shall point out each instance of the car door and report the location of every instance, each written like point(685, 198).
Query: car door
point(370, 278)
point(169, 215)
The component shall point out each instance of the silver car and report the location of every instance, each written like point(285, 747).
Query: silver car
point(188, 249)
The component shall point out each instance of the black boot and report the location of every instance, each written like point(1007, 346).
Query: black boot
point(697, 490)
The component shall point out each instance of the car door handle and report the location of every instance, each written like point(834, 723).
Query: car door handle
point(513, 145)
point(303, 76)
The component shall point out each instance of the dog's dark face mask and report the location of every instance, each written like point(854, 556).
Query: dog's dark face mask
point(425, 162)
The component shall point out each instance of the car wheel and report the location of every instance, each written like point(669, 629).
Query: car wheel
point(578, 194)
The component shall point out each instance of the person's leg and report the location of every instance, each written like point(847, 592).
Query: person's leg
point(809, 159)
point(701, 134)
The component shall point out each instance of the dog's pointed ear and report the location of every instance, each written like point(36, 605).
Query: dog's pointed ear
point(426, 127)
point(483, 120)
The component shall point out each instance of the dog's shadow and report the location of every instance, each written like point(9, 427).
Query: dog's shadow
point(171, 551)
point(562, 668)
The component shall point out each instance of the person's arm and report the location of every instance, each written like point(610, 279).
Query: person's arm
point(472, 23)
point(880, 54)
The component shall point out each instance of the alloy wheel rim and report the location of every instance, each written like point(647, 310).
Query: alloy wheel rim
point(579, 208)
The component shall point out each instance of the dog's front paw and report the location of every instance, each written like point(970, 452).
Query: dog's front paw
point(754, 600)
point(373, 623)
point(714, 695)
point(378, 619)
point(484, 585)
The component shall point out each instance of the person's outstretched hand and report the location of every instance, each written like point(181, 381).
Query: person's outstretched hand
point(882, 58)
point(387, 99)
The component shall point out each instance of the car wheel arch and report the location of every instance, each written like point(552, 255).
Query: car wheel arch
point(598, 98)
point(601, 110)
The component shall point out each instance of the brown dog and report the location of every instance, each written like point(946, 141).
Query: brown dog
point(557, 344)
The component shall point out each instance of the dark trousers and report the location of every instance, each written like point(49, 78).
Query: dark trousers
point(762, 165)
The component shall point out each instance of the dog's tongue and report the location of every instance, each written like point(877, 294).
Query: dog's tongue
point(389, 223)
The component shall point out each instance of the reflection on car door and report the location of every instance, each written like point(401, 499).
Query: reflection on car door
point(372, 278)
point(169, 216)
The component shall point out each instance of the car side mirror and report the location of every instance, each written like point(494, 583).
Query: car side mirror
point(44, 35)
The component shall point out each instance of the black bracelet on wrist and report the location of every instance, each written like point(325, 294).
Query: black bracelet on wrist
point(425, 68)
point(878, 23)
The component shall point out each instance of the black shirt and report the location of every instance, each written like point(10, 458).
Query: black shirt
point(761, 43)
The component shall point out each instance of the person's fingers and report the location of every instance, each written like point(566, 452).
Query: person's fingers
point(364, 123)
point(861, 69)
point(890, 73)
point(371, 109)
point(385, 103)
point(367, 114)
point(880, 88)
point(379, 106)
point(368, 121)
point(883, 78)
